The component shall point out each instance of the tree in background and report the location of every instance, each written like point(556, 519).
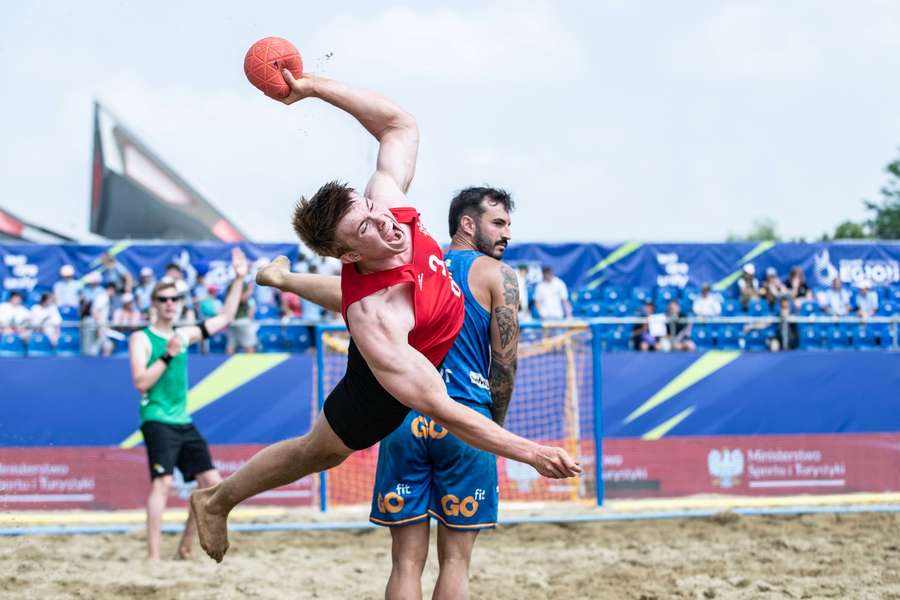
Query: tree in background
point(763, 230)
point(884, 223)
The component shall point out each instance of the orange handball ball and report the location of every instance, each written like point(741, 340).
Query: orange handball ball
point(264, 61)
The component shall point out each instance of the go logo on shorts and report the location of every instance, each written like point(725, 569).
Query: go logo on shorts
point(423, 427)
point(390, 503)
point(453, 506)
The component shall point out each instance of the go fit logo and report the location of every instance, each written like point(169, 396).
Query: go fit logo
point(467, 507)
point(423, 427)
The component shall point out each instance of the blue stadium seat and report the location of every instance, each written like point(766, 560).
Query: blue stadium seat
point(664, 294)
point(266, 311)
point(690, 291)
point(271, 339)
point(882, 332)
point(39, 345)
point(864, 337)
point(731, 308)
point(618, 338)
point(893, 294)
point(69, 343)
point(218, 342)
point(298, 338)
point(120, 346)
point(585, 296)
point(809, 308)
point(809, 336)
point(887, 308)
point(595, 309)
point(69, 313)
point(729, 337)
point(701, 336)
point(687, 306)
point(758, 339)
point(622, 309)
point(640, 294)
point(11, 345)
point(33, 297)
point(758, 307)
point(611, 294)
point(837, 336)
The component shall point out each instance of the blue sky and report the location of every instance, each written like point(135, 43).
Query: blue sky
point(607, 121)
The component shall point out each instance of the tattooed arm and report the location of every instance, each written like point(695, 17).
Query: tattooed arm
point(504, 339)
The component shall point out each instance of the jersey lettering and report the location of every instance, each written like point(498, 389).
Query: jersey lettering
point(434, 262)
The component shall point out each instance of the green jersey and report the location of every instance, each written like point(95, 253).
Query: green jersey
point(166, 401)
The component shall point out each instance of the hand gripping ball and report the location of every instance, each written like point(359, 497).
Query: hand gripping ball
point(264, 61)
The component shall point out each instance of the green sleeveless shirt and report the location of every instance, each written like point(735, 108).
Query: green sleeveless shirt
point(166, 401)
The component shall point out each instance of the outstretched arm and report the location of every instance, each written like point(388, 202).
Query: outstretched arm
point(394, 128)
point(504, 338)
point(382, 329)
point(232, 301)
point(324, 290)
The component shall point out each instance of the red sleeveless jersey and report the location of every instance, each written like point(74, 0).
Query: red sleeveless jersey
point(437, 299)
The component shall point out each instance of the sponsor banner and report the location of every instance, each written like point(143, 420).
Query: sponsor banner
point(763, 465)
point(113, 478)
point(634, 264)
point(36, 266)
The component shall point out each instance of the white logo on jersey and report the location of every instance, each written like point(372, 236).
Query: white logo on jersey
point(479, 380)
point(421, 279)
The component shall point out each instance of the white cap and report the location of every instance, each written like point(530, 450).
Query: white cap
point(66, 271)
point(749, 269)
point(146, 272)
point(127, 297)
point(93, 277)
point(771, 272)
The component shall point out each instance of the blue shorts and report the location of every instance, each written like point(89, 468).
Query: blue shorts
point(425, 471)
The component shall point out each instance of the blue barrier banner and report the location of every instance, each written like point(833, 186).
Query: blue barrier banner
point(635, 264)
point(245, 399)
point(36, 266)
point(263, 398)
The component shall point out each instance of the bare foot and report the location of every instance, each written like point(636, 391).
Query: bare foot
point(271, 274)
point(212, 529)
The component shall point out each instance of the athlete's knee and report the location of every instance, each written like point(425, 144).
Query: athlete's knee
point(161, 486)
point(325, 455)
point(408, 563)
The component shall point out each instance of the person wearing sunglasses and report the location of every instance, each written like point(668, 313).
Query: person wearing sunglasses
point(159, 371)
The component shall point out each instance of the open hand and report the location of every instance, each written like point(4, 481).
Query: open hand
point(239, 263)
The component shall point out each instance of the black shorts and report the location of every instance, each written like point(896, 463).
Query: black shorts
point(359, 410)
point(169, 446)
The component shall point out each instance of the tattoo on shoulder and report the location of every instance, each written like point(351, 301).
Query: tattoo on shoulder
point(510, 286)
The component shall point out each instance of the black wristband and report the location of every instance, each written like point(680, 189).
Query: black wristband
point(203, 330)
point(166, 358)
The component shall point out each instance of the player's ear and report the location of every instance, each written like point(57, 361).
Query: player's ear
point(468, 224)
point(349, 258)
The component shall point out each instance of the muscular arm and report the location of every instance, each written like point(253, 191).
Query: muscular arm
point(380, 325)
point(394, 128)
point(324, 290)
point(504, 339)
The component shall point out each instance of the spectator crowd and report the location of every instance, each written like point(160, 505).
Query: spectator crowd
point(106, 303)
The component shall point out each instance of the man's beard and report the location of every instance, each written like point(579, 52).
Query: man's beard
point(486, 245)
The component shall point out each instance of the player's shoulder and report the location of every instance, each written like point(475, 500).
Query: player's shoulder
point(382, 303)
point(493, 273)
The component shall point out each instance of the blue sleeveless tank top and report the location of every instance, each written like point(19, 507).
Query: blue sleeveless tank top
point(466, 366)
